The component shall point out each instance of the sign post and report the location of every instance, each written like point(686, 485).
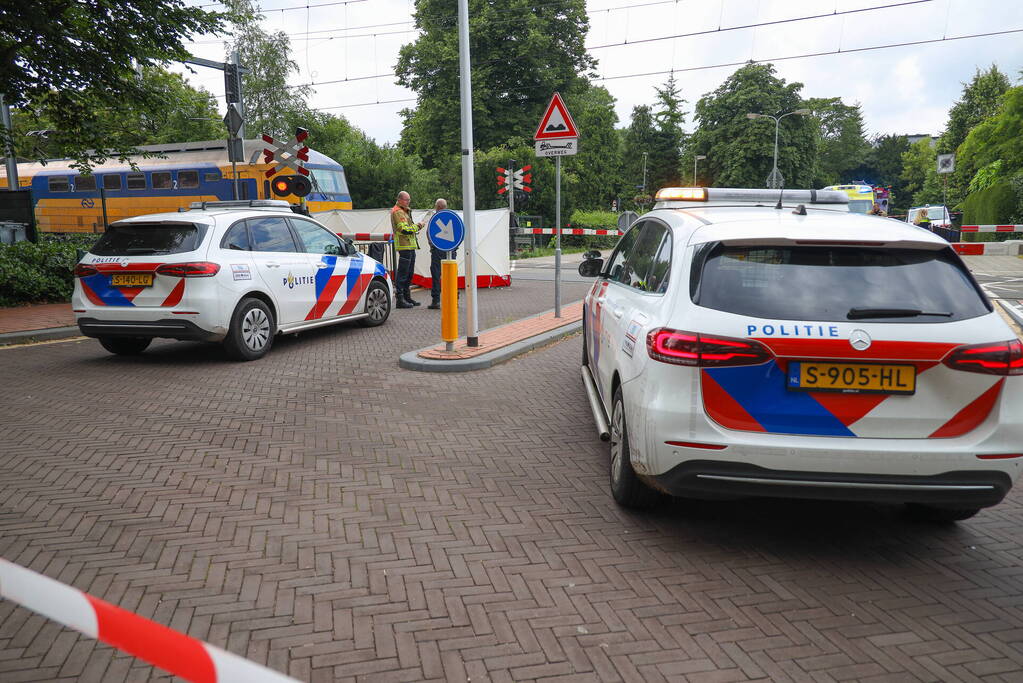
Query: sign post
point(557, 136)
point(445, 232)
point(472, 332)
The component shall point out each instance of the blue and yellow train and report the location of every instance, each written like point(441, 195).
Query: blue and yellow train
point(177, 175)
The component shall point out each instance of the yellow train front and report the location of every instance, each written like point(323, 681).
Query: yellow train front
point(171, 177)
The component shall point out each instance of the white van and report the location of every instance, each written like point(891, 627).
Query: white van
point(938, 214)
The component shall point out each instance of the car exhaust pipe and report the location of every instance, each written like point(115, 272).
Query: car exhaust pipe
point(595, 406)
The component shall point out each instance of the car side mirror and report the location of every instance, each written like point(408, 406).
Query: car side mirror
point(349, 247)
point(591, 267)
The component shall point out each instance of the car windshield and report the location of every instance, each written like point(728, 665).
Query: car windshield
point(136, 239)
point(835, 283)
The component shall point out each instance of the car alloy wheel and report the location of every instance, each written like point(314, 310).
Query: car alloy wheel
point(255, 329)
point(376, 304)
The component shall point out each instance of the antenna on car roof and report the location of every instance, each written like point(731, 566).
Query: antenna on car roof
point(781, 193)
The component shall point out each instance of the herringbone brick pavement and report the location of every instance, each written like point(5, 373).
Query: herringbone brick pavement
point(334, 517)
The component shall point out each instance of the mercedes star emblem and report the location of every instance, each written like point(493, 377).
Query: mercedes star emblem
point(859, 340)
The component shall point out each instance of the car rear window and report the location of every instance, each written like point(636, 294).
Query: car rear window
point(827, 282)
point(134, 239)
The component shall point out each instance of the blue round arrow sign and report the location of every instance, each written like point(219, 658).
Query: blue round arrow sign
point(445, 230)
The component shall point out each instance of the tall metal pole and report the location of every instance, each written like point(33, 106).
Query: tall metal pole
point(12, 159)
point(468, 177)
point(557, 237)
point(644, 172)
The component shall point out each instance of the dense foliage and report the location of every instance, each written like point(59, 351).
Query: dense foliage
point(39, 272)
point(74, 64)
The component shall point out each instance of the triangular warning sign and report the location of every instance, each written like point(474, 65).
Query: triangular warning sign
point(556, 122)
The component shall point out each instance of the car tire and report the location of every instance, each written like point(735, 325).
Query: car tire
point(252, 331)
point(125, 346)
point(378, 305)
point(626, 487)
point(933, 513)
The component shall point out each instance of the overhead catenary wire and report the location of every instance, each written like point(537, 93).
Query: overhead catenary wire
point(728, 64)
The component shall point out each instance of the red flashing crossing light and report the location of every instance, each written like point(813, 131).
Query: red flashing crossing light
point(298, 185)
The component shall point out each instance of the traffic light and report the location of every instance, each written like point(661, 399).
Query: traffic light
point(298, 185)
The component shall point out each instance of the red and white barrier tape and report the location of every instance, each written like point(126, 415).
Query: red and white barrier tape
point(991, 228)
point(165, 648)
point(365, 236)
point(569, 231)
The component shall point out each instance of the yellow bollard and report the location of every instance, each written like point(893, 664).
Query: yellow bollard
point(449, 302)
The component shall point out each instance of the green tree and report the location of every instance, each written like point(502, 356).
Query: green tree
point(597, 166)
point(997, 140)
point(919, 174)
point(883, 165)
point(639, 139)
point(271, 105)
point(73, 64)
point(521, 53)
point(843, 148)
point(666, 156)
point(980, 100)
point(740, 152)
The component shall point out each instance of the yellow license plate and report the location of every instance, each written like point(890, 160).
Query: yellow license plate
point(852, 378)
point(131, 279)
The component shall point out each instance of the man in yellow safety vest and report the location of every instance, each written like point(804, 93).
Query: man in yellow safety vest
point(406, 243)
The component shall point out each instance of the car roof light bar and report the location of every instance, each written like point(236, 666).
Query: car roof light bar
point(751, 196)
point(243, 204)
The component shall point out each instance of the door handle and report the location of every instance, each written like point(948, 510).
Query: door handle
point(601, 299)
point(272, 264)
point(618, 312)
point(322, 265)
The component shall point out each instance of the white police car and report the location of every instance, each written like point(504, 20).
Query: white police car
point(767, 343)
point(231, 272)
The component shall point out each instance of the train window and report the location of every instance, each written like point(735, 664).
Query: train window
point(162, 180)
point(59, 183)
point(188, 179)
point(211, 177)
point(111, 182)
point(85, 183)
point(136, 181)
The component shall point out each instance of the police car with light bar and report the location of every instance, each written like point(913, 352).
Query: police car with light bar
point(231, 272)
point(744, 342)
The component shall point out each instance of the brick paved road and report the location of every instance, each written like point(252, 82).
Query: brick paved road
point(337, 518)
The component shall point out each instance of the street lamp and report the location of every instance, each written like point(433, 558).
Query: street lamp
point(644, 172)
point(695, 159)
point(775, 179)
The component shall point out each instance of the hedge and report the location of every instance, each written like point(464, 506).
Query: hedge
point(39, 273)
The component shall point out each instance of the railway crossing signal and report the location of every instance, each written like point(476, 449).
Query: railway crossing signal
point(291, 154)
point(517, 179)
point(298, 185)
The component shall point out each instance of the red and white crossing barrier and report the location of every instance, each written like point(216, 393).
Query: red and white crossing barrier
point(365, 236)
point(165, 648)
point(987, 248)
point(991, 228)
point(569, 231)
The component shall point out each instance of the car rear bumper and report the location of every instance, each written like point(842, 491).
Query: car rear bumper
point(166, 328)
point(713, 478)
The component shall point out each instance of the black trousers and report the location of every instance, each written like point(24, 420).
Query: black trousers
point(403, 279)
point(436, 256)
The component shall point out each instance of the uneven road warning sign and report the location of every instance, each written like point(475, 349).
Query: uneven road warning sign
point(556, 122)
point(557, 135)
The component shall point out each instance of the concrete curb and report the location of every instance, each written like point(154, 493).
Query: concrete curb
point(412, 361)
point(1014, 311)
point(29, 336)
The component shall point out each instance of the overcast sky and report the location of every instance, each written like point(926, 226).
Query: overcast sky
point(903, 90)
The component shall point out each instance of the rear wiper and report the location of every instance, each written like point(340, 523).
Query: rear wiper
point(144, 250)
point(857, 313)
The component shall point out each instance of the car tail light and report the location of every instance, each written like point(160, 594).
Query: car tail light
point(703, 350)
point(190, 269)
point(998, 358)
point(84, 270)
